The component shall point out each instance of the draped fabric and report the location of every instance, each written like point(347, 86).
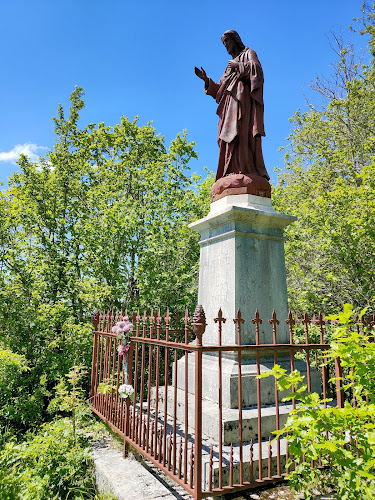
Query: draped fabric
point(239, 95)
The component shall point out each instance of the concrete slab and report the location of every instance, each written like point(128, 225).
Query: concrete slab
point(128, 479)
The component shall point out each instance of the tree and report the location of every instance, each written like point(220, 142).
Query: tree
point(329, 185)
point(100, 222)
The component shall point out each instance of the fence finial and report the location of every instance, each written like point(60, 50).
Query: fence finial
point(199, 323)
point(95, 318)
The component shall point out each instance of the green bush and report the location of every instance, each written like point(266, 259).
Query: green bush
point(341, 440)
point(53, 462)
point(50, 464)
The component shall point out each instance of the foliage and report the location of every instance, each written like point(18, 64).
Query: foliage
point(70, 397)
point(343, 439)
point(100, 222)
point(329, 185)
point(50, 464)
point(12, 366)
point(16, 404)
point(54, 462)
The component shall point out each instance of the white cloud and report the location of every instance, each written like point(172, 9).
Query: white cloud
point(28, 149)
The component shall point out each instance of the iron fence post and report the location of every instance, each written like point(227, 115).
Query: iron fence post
point(127, 407)
point(199, 326)
point(95, 322)
point(339, 388)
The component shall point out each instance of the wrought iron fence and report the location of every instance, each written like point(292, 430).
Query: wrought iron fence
point(203, 445)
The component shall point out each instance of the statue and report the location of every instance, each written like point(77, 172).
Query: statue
point(239, 95)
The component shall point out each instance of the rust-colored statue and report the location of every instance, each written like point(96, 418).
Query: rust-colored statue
point(239, 95)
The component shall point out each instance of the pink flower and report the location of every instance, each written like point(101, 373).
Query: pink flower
point(123, 349)
point(122, 326)
point(128, 327)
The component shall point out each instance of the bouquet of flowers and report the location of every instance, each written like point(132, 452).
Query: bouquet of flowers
point(122, 330)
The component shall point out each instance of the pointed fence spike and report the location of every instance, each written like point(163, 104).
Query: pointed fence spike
point(290, 320)
point(199, 323)
point(95, 319)
point(257, 320)
point(220, 319)
point(167, 317)
point(306, 319)
point(134, 317)
point(238, 319)
point(274, 321)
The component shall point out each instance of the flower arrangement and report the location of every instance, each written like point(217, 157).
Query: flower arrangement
point(123, 329)
point(123, 349)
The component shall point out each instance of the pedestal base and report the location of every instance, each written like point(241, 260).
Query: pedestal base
point(229, 370)
point(242, 266)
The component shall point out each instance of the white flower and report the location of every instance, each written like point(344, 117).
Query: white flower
point(125, 390)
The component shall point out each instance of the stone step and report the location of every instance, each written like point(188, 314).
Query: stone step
point(269, 464)
point(230, 417)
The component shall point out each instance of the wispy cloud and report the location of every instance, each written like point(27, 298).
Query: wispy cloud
point(31, 150)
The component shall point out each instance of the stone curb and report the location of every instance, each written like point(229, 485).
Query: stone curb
point(130, 479)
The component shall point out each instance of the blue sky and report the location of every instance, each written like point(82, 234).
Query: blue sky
point(137, 58)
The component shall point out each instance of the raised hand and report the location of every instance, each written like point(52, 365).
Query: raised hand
point(201, 74)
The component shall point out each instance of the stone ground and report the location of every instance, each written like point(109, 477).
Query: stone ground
point(135, 479)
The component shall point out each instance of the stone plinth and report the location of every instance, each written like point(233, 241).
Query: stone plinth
point(210, 386)
point(242, 266)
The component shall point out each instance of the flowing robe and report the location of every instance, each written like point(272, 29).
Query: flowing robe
point(239, 95)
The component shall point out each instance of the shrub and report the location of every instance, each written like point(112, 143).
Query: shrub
point(50, 464)
point(341, 439)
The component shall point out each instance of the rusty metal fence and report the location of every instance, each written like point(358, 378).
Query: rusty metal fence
point(202, 445)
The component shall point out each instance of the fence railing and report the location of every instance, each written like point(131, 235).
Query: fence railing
point(179, 423)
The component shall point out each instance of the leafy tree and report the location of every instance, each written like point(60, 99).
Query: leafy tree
point(329, 185)
point(100, 222)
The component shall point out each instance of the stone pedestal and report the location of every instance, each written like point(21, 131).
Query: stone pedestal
point(242, 266)
point(229, 370)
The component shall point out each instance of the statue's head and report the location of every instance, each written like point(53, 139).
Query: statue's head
point(231, 38)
